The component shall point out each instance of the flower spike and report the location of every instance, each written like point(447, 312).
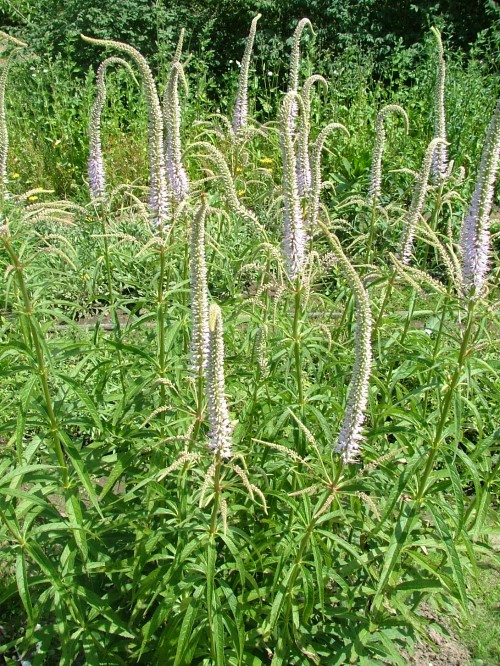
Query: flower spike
point(199, 291)
point(350, 436)
point(378, 149)
point(158, 199)
point(97, 180)
point(176, 173)
point(294, 241)
point(440, 158)
point(218, 416)
point(241, 106)
point(417, 202)
point(475, 234)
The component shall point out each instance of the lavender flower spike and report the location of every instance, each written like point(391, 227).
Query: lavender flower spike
point(294, 240)
point(417, 202)
point(97, 181)
point(218, 416)
point(475, 234)
point(351, 436)
point(241, 106)
point(440, 158)
point(199, 292)
point(158, 198)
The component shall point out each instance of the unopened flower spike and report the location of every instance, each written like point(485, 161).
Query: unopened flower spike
point(176, 173)
point(475, 233)
point(304, 177)
point(220, 441)
point(97, 179)
point(199, 292)
point(417, 202)
point(294, 238)
point(440, 158)
point(351, 432)
point(158, 198)
point(378, 149)
point(241, 106)
point(178, 48)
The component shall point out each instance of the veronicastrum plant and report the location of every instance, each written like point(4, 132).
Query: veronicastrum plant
point(288, 487)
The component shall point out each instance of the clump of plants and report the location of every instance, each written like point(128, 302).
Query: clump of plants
point(246, 419)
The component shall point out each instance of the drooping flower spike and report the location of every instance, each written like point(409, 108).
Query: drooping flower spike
point(97, 179)
point(240, 115)
point(220, 441)
point(475, 233)
point(158, 198)
point(378, 149)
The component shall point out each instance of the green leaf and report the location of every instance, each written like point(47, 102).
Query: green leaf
point(23, 585)
point(453, 557)
point(186, 629)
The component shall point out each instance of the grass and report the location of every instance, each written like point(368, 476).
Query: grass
point(481, 634)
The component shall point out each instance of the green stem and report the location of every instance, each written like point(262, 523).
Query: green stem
point(387, 296)
point(446, 405)
point(296, 341)
point(371, 233)
point(111, 298)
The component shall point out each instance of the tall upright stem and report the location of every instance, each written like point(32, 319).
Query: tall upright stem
point(296, 340)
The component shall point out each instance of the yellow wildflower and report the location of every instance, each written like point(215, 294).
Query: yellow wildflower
point(239, 169)
point(15, 175)
point(33, 197)
point(266, 160)
point(241, 193)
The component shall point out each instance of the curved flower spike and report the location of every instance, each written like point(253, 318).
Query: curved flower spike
point(176, 173)
point(440, 158)
point(304, 177)
point(97, 180)
point(241, 106)
point(417, 202)
point(294, 239)
point(217, 158)
point(158, 199)
point(378, 149)
point(316, 169)
point(350, 436)
point(475, 234)
point(220, 441)
point(293, 80)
